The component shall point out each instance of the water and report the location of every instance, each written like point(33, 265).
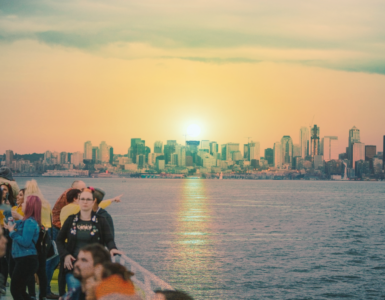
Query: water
point(241, 239)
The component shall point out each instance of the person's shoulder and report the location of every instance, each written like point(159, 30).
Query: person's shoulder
point(31, 222)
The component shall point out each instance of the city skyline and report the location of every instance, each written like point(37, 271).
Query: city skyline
point(120, 69)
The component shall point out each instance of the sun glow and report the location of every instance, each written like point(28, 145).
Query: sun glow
point(193, 131)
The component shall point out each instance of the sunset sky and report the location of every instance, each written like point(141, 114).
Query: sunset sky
point(72, 71)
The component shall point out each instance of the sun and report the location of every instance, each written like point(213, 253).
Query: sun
point(193, 131)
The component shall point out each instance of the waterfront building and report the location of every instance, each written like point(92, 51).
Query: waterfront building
point(354, 137)
point(236, 155)
point(158, 147)
point(8, 157)
point(104, 155)
point(315, 133)
point(370, 152)
point(228, 149)
point(169, 149)
point(55, 158)
point(327, 147)
point(254, 163)
point(269, 156)
point(277, 151)
point(304, 141)
point(95, 154)
point(287, 150)
point(358, 152)
point(131, 167)
point(254, 151)
point(189, 161)
point(362, 168)
point(333, 167)
point(298, 163)
point(63, 157)
point(246, 151)
point(88, 150)
point(376, 165)
point(213, 148)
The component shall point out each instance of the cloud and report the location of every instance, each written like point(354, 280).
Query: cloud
point(348, 35)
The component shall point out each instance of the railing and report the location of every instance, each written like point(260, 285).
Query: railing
point(146, 281)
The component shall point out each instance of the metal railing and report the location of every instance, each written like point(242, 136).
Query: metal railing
point(143, 279)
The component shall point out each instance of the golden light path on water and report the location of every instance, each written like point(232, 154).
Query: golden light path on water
point(193, 251)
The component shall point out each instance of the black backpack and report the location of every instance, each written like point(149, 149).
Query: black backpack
point(43, 242)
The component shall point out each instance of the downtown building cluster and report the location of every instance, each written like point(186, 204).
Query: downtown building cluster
point(312, 157)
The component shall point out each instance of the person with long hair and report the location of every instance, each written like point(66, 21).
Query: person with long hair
point(79, 230)
point(25, 234)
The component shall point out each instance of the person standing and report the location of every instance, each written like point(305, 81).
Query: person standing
point(25, 234)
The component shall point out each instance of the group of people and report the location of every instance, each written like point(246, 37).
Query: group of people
point(83, 232)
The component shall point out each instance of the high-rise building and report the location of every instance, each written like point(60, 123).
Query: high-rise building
point(111, 158)
point(269, 156)
point(95, 154)
point(205, 145)
point(277, 155)
point(254, 151)
point(286, 150)
point(8, 157)
point(304, 141)
point(77, 158)
point(140, 160)
point(213, 148)
point(104, 153)
point(354, 137)
point(87, 150)
point(47, 157)
point(370, 152)
point(63, 157)
point(358, 152)
point(327, 147)
point(297, 150)
point(158, 147)
point(138, 146)
point(228, 149)
point(315, 132)
point(169, 149)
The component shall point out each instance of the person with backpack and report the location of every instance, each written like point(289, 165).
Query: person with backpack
point(25, 234)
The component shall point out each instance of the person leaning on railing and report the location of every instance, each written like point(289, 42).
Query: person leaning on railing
point(79, 230)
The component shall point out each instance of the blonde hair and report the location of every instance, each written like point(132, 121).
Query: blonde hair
point(32, 189)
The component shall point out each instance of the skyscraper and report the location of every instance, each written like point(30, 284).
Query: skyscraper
point(104, 153)
point(205, 145)
point(358, 152)
point(254, 151)
point(138, 147)
point(286, 150)
point(315, 131)
point(304, 141)
point(111, 158)
point(370, 152)
point(269, 156)
point(87, 150)
point(181, 152)
point(63, 157)
point(354, 137)
point(213, 148)
point(158, 147)
point(8, 157)
point(95, 154)
point(327, 147)
point(277, 155)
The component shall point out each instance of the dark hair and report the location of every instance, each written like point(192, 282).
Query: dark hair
point(111, 268)
point(22, 190)
point(99, 254)
point(174, 295)
point(72, 194)
point(10, 194)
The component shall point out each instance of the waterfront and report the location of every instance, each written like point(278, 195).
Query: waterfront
point(247, 239)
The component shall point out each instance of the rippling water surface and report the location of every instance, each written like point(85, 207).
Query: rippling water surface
point(241, 239)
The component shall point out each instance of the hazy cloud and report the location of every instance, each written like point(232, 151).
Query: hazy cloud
point(348, 35)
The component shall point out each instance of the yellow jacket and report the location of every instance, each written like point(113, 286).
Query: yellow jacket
point(72, 209)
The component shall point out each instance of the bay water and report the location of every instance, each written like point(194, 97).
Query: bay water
point(250, 239)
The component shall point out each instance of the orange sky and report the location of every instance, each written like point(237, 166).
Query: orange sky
point(57, 95)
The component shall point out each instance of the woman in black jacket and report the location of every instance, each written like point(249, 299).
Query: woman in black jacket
point(80, 230)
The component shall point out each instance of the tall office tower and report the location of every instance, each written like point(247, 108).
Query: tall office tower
point(95, 154)
point(77, 158)
point(63, 157)
point(205, 145)
point(370, 152)
point(55, 157)
point(104, 153)
point(314, 139)
point(286, 150)
point(254, 151)
point(47, 157)
point(169, 149)
point(297, 150)
point(269, 156)
point(383, 156)
point(354, 137)
point(327, 148)
point(358, 152)
point(140, 160)
point(87, 150)
point(8, 157)
point(304, 141)
point(213, 148)
point(111, 157)
point(277, 151)
point(230, 148)
point(246, 151)
point(158, 147)
point(181, 152)
point(138, 147)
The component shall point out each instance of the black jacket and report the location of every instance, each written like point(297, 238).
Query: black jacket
point(101, 234)
point(103, 213)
